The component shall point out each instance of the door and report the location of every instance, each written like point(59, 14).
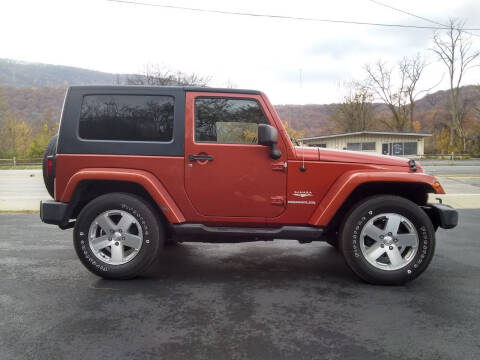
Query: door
point(227, 174)
point(385, 150)
point(397, 149)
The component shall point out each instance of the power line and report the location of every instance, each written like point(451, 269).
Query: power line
point(283, 17)
point(408, 13)
point(420, 17)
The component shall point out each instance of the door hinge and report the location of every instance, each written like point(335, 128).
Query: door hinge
point(279, 166)
point(278, 200)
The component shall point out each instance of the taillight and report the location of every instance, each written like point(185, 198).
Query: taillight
point(50, 166)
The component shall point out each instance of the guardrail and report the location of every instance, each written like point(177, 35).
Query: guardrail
point(17, 162)
point(451, 156)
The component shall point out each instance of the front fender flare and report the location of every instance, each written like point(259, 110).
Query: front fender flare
point(143, 178)
point(349, 181)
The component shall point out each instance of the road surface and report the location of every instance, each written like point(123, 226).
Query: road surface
point(23, 189)
point(265, 300)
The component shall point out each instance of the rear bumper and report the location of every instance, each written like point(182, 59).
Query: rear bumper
point(444, 215)
point(53, 212)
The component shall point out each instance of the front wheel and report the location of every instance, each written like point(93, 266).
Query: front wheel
point(117, 236)
point(387, 240)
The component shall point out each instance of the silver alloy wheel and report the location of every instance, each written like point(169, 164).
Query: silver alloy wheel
point(389, 241)
point(115, 237)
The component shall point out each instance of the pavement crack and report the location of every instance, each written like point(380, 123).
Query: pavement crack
point(101, 288)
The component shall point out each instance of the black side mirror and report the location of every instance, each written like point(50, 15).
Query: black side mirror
point(268, 136)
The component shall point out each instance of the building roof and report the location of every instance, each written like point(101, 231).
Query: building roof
point(367, 132)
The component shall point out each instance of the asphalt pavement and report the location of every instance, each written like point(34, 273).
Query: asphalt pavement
point(265, 300)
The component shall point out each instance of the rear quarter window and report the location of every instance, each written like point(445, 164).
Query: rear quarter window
point(127, 117)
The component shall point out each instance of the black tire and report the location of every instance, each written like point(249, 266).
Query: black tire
point(49, 180)
point(144, 215)
point(375, 208)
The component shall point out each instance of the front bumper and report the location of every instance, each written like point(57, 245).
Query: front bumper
point(443, 215)
point(54, 212)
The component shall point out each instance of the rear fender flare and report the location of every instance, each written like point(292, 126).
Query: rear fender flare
point(143, 178)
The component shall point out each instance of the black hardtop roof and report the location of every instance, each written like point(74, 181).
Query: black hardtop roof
point(184, 88)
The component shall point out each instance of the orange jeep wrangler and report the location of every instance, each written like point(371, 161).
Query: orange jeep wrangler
point(135, 167)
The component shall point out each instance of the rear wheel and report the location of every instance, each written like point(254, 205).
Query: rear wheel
point(49, 177)
point(387, 240)
point(117, 236)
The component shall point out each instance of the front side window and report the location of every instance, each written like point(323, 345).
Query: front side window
point(227, 120)
point(127, 118)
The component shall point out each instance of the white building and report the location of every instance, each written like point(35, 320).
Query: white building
point(379, 142)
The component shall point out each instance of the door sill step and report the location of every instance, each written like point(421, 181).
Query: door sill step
point(204, 233)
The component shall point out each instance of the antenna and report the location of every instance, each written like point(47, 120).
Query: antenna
point(303, 168)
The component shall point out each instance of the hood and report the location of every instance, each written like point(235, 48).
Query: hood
point(308, 153)
point(345, 156)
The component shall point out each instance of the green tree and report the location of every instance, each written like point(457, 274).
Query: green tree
point(4, 108)
point(294, 134)
point(42, 134)
point(15, 136)
point(40, 141)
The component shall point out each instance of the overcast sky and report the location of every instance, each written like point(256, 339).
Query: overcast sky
point(258, 53)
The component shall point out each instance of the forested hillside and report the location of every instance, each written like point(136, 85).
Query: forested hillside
point(17, 73)
point(30, 103)
point(430, 111)
point(31, 98)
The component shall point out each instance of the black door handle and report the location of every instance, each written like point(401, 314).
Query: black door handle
point(200, 158)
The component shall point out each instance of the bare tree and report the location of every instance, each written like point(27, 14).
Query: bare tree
point(355, 113)
point(475, 138)
point(436, 121)
point(230, 84)
point(397, 87)
point(380, 82)
point(454, 49)
point(159, 75)
point(465, 108)
point(413, 68)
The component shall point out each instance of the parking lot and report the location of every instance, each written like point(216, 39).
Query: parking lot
point(279, 300)
point(263, 300)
